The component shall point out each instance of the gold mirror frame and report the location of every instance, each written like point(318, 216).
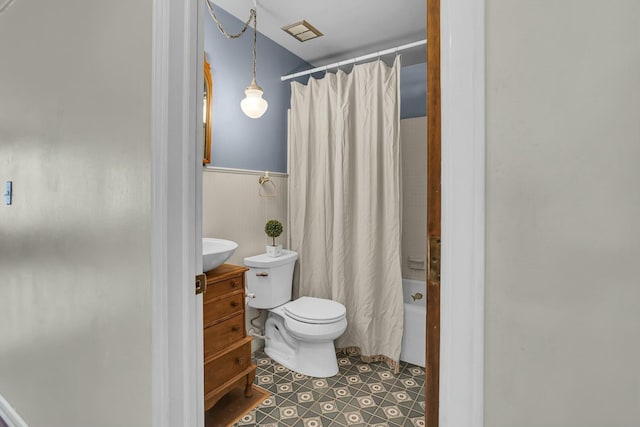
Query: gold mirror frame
point(207, 105)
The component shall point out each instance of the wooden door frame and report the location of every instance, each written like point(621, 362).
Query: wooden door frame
point(455, 306)
point(432, 357)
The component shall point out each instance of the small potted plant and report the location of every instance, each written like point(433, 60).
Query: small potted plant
point(273, 229)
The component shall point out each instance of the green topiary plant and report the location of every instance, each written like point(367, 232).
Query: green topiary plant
point(273, 229)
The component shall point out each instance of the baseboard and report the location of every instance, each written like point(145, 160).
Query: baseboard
point(9, 416)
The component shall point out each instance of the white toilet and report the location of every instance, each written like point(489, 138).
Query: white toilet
point(299, 334)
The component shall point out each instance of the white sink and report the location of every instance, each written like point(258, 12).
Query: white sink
point(215, 252)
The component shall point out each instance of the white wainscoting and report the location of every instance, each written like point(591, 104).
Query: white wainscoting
point(233, 209)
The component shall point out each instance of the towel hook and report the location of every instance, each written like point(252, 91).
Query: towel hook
point(266, 180)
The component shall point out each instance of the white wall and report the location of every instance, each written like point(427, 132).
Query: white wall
point(563, 213)
point(75, 127)
point(413, 136)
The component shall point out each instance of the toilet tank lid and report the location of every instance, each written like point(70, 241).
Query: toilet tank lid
point(266, 261)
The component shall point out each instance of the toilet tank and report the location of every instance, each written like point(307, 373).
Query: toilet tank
point(270, 279)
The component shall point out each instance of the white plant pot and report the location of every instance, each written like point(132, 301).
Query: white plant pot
point(274, 251)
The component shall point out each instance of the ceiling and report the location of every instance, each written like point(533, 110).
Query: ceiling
point(351, 27)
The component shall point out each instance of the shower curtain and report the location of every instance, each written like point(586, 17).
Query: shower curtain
point(344, 201)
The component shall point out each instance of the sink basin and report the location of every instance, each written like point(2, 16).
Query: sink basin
point(215, 252)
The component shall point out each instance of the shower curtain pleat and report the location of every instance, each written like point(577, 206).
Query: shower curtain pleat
point(344, 201)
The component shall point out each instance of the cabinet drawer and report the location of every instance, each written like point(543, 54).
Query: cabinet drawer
point(222, 335)
point(219, 309)
point(225, 367)
point(223, 287)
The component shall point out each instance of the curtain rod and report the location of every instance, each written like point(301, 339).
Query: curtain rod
point(356, 59)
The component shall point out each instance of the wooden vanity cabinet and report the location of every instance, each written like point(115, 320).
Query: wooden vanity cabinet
point(227, 348)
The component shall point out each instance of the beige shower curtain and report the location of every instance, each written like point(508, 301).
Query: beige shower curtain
point(344, 201)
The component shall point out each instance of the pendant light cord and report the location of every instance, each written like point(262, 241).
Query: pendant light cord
point(255, 41)
point(252, 15)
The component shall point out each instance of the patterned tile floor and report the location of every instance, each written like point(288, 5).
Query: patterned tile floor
point(360, 395)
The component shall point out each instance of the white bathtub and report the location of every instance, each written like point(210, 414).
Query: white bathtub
point(415, 322)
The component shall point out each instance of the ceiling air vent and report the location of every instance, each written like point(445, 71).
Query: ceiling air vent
point(302, 31)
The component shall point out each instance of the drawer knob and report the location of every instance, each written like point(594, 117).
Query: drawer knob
point(240, 360)
point(234, 304)
point(235, 328)
point(234, 284)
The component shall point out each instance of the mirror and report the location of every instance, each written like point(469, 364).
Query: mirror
point(207, 103)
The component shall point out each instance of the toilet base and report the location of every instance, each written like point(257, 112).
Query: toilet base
point(315, 359)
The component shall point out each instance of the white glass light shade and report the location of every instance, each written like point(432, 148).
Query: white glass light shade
point(253, 105)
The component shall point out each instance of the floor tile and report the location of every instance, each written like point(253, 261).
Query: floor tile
point(360, 394)
point(248, 420)
point(314, 421)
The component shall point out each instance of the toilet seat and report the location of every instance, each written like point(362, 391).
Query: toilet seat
point(317, 311)
point(313, 332)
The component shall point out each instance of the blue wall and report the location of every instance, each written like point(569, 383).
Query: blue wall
point(261, 144)
point(238, 141)
point(413, 91)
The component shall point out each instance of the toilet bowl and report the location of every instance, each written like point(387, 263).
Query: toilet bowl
point(305, 345)
point(298, 334)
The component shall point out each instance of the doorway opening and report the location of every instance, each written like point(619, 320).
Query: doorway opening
point(244, 182)
point(461, 336)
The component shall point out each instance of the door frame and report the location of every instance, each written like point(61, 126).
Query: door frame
point(177, 394)
point(434, 208)
point(463, 112)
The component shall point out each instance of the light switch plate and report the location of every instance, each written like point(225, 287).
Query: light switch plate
point(8, 192)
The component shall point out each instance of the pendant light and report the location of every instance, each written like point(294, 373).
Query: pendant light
point(253, 105)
